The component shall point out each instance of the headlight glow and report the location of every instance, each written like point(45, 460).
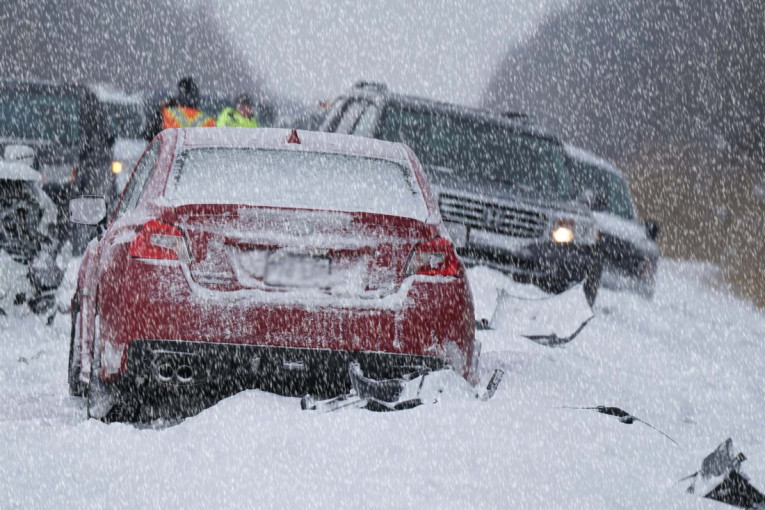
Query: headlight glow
point(563, 232)
point(563, 235)
point(116, 166)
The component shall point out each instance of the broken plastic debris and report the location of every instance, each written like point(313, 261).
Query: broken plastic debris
point(550, 321)
point(720, 479)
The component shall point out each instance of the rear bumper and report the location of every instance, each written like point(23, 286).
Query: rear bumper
point(181, 377)
point(430, 317)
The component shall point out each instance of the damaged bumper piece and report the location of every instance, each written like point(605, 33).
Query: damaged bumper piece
point(385, 395)
point(720, 479)
point(551, 321)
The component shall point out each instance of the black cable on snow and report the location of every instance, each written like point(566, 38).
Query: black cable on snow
point(623, 416)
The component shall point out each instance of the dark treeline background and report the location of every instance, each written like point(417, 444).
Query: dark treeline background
point(130, 44)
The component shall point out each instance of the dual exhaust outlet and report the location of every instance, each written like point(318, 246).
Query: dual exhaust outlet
point(171, 367)
point(167, 371)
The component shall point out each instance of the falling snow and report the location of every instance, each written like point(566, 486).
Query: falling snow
point(506, 106)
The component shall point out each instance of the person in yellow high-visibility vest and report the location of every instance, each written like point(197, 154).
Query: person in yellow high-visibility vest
point(241, 116)
point(180, 111)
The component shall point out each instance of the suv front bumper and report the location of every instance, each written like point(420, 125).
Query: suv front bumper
point(545, 263)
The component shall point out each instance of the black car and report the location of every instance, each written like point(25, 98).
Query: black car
point(630, 252)
point(67, 128)
point(501, 182)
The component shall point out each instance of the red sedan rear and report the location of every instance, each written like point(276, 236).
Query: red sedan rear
point(256, 258)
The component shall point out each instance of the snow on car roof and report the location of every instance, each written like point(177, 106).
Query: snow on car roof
point(588, 157)
point(309, 140)
point(110, 94)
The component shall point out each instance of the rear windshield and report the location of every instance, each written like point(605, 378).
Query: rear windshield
point(306, 180)
point(482, 150)
point(611, 185)
point(36, 116)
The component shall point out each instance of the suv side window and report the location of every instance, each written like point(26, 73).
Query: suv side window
point(333, 116)
point(367, 122)
point(140, 177)
point(350, 116)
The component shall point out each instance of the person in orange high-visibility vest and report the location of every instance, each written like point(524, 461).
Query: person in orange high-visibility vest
point(180, 111)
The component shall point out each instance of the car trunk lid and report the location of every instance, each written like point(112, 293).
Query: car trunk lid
point(234, 247)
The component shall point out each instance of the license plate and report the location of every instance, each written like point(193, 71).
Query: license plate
point(297, 270)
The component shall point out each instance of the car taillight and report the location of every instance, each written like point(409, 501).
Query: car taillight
point(158, 240)
point(434, 258)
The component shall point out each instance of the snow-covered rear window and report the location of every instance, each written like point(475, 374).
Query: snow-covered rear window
point(308, 180)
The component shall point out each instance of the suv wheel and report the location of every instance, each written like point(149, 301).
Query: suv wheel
point(591, 286)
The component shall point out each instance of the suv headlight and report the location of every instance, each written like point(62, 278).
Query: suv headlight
point(566, 230)
point(563, 231)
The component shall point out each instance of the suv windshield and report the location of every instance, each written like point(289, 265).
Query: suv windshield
point(306, 180)
point(601, 180)
point(482, 150)
point(125, 119)
point(38, 116)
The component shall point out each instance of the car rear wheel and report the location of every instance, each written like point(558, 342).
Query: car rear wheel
point(102, 404)
point(76, 387)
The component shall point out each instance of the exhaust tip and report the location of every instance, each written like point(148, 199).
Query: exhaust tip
point(184, 374)
point(165, 372)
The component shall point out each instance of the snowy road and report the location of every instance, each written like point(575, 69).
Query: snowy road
point(690, 363)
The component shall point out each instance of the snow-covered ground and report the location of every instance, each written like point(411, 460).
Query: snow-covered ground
point(690, 363)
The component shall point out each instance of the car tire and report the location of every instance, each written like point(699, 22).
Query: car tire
point(99, 396)
point(103, 404)
point(76, 387)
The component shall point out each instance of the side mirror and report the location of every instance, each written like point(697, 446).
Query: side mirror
point(20, 153)
point(87, 210)
point(652, 229)
point(595, 200)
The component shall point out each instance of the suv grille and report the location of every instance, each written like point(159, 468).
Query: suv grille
point(493, 217)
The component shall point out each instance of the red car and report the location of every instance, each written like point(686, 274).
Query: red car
point(265, 259)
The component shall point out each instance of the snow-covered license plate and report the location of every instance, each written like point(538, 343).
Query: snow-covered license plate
point(297, 270)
